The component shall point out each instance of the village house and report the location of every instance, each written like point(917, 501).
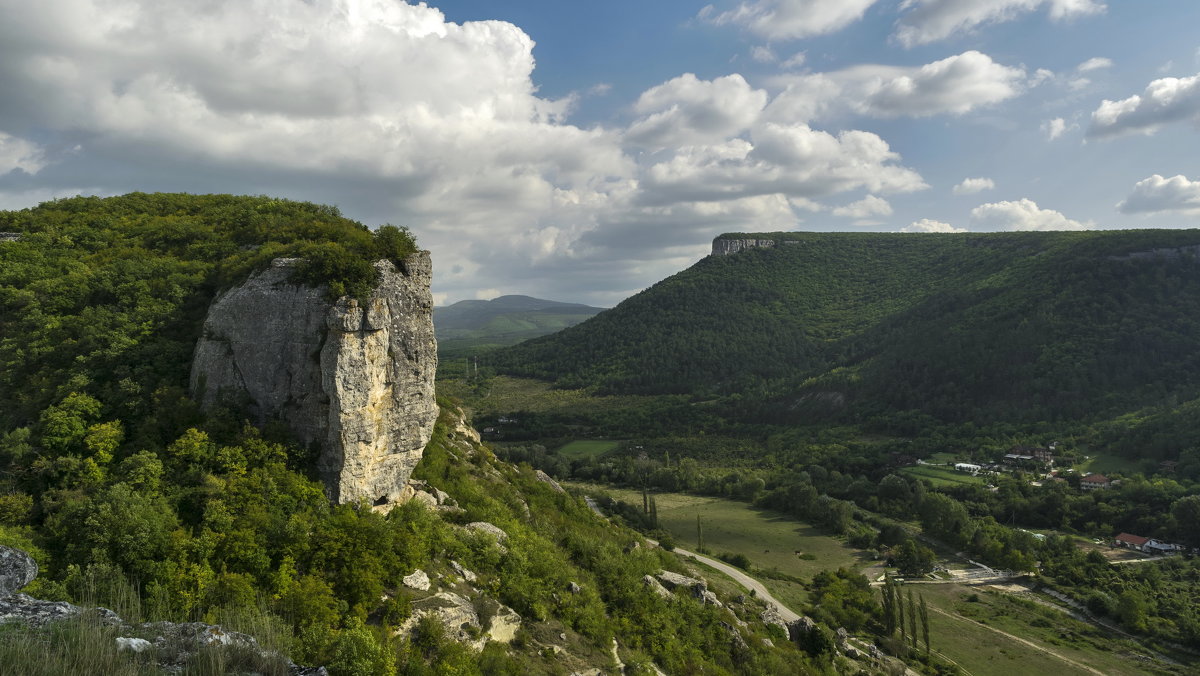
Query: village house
point(1130, 541)
point(1092, 482)
point(1029, 455)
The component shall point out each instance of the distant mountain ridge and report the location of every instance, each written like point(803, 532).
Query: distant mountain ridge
point(479, 324)
point(1021, 327)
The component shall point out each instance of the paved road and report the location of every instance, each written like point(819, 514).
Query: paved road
point(741, 577)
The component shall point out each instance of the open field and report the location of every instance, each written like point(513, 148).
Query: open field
point(941, 476)
point(996, 634)
point(586, 449)
point(992, 636)
point(504, 394)
point(1101, 463)
point(769, 539)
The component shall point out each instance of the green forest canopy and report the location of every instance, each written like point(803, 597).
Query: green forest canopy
point(987, 327)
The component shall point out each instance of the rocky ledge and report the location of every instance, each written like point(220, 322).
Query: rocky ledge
point(172, 644)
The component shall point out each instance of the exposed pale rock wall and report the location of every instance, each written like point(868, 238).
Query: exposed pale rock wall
point(726, 246)
point(356, 379)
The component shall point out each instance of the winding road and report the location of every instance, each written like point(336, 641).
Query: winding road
point(738, 575)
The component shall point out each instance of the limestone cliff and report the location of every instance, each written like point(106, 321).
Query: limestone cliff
point(355, 379)
point(731, 244)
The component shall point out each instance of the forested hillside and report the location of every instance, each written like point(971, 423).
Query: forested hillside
point(1013, 327)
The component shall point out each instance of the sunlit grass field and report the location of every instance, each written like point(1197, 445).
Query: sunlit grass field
point(586, 448)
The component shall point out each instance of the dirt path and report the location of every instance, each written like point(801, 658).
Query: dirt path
point(1018, 639)
point(739, 576)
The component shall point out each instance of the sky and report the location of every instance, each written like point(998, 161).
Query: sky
point(584, 151)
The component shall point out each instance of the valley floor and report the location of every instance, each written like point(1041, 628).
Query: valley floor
point(985, 629)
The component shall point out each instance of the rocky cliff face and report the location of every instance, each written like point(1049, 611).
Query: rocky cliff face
point(354, 378)
point(724, 246)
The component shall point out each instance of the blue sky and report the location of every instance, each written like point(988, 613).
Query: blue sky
point(583, 151)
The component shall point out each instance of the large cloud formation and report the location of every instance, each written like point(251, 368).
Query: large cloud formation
point(1165, 101)
point(396, 114)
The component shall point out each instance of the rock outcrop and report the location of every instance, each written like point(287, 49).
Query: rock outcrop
point(17, 569)
point(462, 623)
point(724, 246)
point(175, 644)
point(355, 379)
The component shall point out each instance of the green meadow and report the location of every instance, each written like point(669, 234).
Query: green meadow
point(586, 448)
point(772, 541)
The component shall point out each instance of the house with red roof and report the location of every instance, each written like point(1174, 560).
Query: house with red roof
point(1092, 482)
point(1130, 541)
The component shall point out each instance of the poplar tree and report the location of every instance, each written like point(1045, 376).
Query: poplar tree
point(925, 624)
point(912, 620)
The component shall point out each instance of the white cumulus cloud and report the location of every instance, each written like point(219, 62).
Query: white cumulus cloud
point(687, 110)
point(970, 186)
point(954, 85)
point(1095, 63)
point(1158, 194)
point(929, 225)
point(791, 19)
point(1023, 214)
point(1054, 128)
point(1165, 101)
point(926, 21)
point(865, 211)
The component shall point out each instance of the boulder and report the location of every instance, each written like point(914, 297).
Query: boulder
point(136, 645)
point(504, 625)
point(463, 572)
point(17, 569)
point(490, 529)
point(417, 580)
point(547, 479)
point(574, 588)
point(707, 597)
point(656, 587)
point(453, 611)
point(801, 628)
point(673, 580)
point(771, 616)
point(457, 614)
point(32, 612)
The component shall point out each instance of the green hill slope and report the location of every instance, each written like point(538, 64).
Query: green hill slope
point(965, 327)
point(471, 325)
